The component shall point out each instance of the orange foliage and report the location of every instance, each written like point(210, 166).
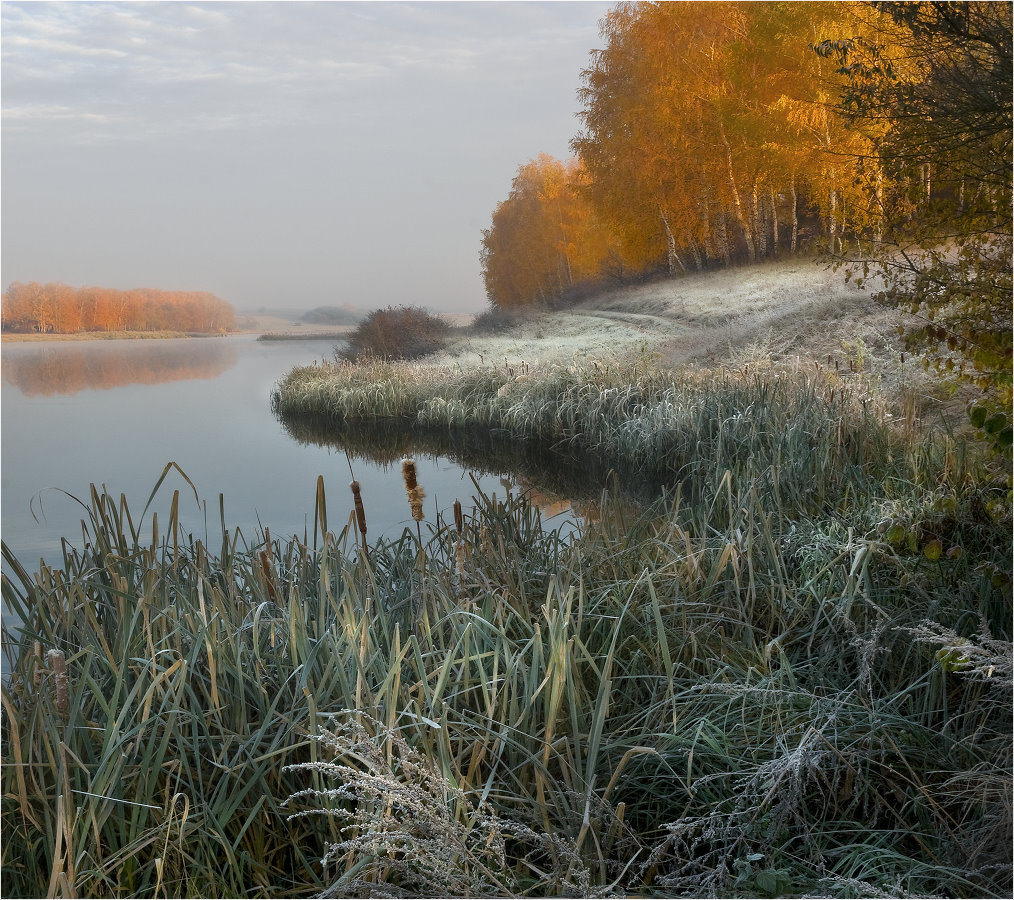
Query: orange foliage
point(60, 309)
point(712, 135)
point(544, 237)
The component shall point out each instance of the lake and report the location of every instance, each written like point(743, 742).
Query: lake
point(115, 412)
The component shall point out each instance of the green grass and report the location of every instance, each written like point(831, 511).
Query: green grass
point(767, 683)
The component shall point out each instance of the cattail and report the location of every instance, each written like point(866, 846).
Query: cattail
point(415, 492)
point(459, 557)
point(459, 519)
point(484, 541)
point(266, 569)
point(59, 664)
point(360, 509)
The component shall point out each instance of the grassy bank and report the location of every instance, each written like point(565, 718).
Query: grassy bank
point(790, 676)
point(799, 430)
point(335, 334)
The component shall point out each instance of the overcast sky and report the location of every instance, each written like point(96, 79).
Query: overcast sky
point(277, 154)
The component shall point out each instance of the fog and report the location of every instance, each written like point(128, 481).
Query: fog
point(279, 155)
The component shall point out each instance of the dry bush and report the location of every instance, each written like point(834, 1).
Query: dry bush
point(403, 332)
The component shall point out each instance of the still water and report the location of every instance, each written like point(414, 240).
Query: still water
point(115, 412)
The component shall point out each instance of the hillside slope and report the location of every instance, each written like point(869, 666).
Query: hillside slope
point(787, 305)
point(797, 311)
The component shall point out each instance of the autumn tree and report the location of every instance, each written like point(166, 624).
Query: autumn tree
point(937, 82)
point(61, 309)
point(544, 237)
point(708, 126)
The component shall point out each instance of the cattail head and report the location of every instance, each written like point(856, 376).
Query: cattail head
point(357, 498)
point(409, 474)
point(459, 519)
point(268, 579)
point(412, 487)
point(58, 662)
point(459, 557)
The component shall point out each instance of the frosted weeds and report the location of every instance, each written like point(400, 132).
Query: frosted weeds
point(556, 338)
point(406, 831)
point(982, 659)
point(708, 312)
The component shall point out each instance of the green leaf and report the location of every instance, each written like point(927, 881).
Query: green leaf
point(767, 881)
point(951, 659)
point(995, 423)
point(896, 533)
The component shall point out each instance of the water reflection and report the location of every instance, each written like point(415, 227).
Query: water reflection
point(67, 368)
point(556, 482)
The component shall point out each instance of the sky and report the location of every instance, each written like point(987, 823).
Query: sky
point(280, 155)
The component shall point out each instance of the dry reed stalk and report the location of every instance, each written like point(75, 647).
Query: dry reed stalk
point(37, 666)
point(59, 665)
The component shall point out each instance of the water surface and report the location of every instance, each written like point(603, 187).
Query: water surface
point(115, 412)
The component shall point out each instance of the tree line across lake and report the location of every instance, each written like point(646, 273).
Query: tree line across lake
point(62, 309)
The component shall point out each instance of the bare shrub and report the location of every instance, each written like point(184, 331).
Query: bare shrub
point(402, 332)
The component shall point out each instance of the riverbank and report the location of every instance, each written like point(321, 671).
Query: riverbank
point(788, 674)
point(795, 314)
point(103, 336)
point(811, 630)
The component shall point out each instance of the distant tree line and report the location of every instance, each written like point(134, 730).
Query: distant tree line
point(61, 309)
point(332, 315)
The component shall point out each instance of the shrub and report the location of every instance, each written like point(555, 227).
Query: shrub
point(498, 320)
point(403, 332)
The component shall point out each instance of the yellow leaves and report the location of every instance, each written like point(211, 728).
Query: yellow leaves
point(544, 237)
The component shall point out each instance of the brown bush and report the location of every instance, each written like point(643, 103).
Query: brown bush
point(403, 332)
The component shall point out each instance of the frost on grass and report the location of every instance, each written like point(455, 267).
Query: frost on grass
point(983, 659)
point(406, 831)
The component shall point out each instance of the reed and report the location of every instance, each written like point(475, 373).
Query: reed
point(762, 684)
point(805, 430)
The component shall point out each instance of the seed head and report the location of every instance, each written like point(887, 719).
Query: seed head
point(37, 666)
point(412, 488)
point(357, 498)
point(409, 474)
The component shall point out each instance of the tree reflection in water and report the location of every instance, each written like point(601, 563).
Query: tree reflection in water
point(553, 480)
point(66, 368)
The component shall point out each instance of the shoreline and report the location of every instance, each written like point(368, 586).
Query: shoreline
point(16, 338)
point(293, 335)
